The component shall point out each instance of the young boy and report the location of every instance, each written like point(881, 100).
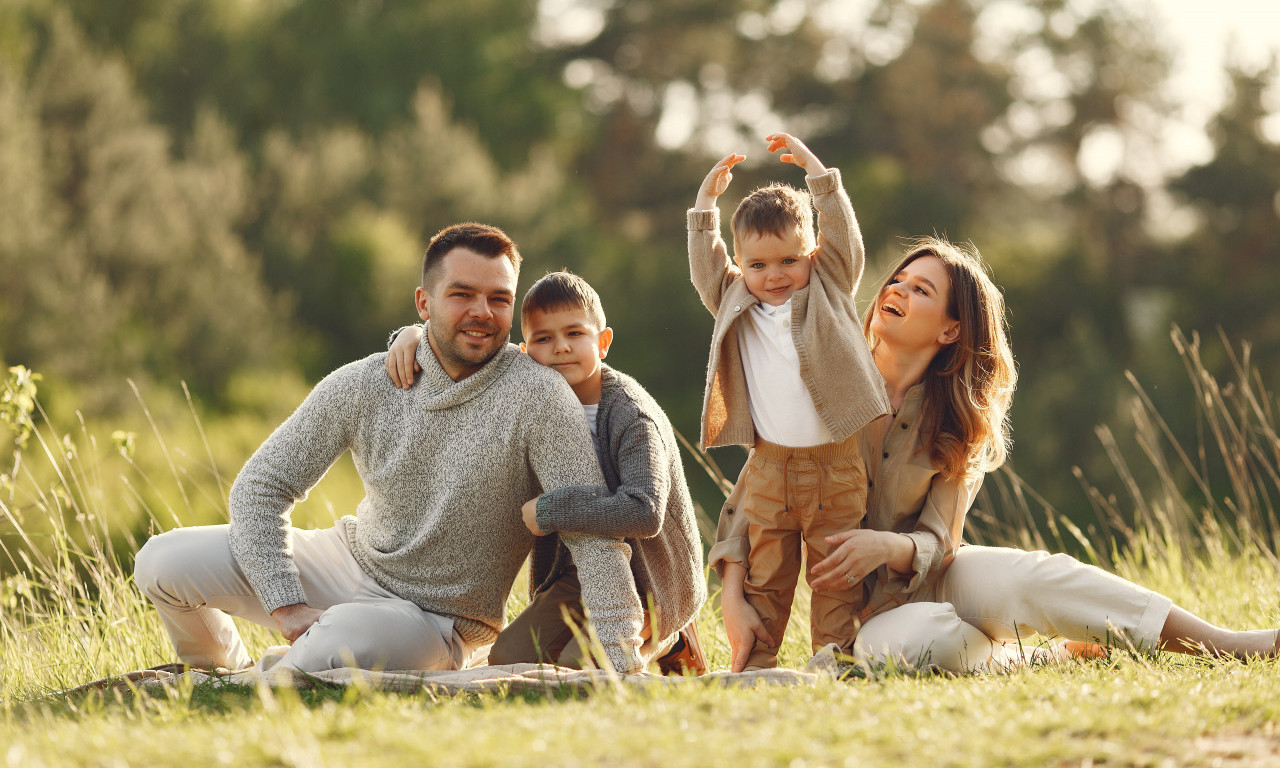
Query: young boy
point(646, 502)
point(791, 376)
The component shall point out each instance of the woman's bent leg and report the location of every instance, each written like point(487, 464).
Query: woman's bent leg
point(1011, 594)
point(924, 635)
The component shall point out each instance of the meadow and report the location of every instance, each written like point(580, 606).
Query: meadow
point(1198, 523)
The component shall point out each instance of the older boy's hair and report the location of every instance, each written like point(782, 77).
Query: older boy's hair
point(484, 239)
point(776, 209)
point(562, 290)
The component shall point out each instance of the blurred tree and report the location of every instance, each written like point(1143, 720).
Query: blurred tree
point(119, 260)
point(1225, 273)
point(293, 65)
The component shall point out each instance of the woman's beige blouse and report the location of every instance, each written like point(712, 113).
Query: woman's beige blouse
point(905, 494)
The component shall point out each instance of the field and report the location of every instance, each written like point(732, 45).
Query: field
point(75, 506)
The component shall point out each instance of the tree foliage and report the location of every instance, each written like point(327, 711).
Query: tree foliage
point(201, 191)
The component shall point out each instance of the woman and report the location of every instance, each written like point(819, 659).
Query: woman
point(938, 337)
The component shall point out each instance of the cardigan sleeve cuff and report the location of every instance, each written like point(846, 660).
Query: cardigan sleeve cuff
point(928, 554)
point(706, 219)
point(732, 550)
point(826, 183)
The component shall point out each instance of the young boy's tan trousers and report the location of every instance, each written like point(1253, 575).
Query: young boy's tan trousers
point(793, 498)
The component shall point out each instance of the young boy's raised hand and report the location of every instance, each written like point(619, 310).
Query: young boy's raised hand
point(401, 359)
point(797, 153)
point(717, 182)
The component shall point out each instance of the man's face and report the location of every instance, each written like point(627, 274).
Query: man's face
point(469, 308)
point(568, 341)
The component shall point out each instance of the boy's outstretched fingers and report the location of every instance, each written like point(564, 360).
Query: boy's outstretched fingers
point(721, 174)
point(798, 153)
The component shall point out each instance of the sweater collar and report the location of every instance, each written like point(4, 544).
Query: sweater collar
point(440, 392)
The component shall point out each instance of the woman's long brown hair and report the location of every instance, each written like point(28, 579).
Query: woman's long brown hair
point(969, 383)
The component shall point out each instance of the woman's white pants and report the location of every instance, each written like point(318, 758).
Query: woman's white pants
point(991, 599)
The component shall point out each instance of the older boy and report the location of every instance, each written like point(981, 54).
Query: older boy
point(791, 376)
point(646, 501)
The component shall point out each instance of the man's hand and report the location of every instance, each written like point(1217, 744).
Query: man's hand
point(529, 511)
point(797, 153)
point(716, 182)
point(295, 619)
point(858, 553)
point(402, 361)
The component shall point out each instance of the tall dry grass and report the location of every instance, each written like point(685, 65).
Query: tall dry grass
point(1199, 520)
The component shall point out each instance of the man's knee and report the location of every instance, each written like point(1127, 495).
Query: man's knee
point(371, 636)
point(154, 562)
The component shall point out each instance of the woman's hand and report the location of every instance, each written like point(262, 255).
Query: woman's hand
point(858, 553)
point(742, 623)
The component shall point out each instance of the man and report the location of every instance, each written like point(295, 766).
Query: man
point(421, 577)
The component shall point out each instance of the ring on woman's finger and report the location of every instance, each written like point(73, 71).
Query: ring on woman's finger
point(851, 578)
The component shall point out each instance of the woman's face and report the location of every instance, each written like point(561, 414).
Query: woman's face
point(911, 310)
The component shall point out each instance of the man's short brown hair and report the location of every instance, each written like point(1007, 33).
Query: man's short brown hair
point(776, 209)
point(484, 239)
point(562, 290)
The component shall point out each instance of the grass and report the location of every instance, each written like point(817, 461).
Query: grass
point(73, 508)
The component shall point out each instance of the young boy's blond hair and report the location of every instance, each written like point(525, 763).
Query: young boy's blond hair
point(775, 209)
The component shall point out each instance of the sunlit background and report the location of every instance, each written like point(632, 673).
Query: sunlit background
point(235, 195)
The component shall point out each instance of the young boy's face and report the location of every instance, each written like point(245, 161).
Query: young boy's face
point(569, 341)
point(773, 267)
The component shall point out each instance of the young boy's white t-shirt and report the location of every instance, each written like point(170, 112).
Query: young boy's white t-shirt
point(781, 407)
point(591, 411)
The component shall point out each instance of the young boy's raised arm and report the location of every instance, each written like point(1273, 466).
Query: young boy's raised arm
point(840, 258)
point(709, 265)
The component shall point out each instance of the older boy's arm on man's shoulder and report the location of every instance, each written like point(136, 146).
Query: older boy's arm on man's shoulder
point(636, 509)
point(281, 473)
point(402, 353)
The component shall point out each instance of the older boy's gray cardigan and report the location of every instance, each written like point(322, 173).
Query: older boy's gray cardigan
point(835, 363)
point(446, 466)
point(647, 502)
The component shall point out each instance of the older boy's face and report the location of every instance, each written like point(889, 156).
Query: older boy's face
point(773, 267)
point(568, 341)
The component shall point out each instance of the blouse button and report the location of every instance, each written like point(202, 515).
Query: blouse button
point(738, 308)
point(886, 454)
point(904, 425)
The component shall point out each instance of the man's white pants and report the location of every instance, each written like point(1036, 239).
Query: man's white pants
point(195, 583)
point(991, 598)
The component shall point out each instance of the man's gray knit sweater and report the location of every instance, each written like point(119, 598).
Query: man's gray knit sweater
point(446, 466)
point(646, 500)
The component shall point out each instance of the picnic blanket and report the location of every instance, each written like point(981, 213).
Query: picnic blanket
point(514, 678)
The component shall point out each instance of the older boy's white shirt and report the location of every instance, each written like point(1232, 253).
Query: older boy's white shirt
point(781, 407)
point(592, 412)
